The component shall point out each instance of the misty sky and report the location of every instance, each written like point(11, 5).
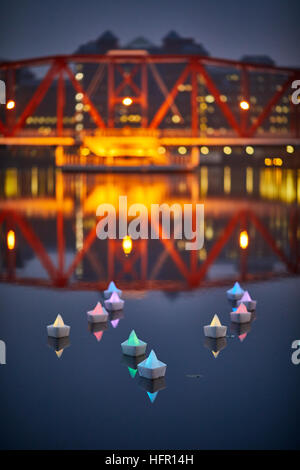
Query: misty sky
point(226, 28)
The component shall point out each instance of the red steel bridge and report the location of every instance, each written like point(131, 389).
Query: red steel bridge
point(127, 75)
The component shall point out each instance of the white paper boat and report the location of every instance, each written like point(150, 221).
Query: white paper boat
point(58, 329)
point(246, 300)
point(133, 346)
point(112, 288)
point(98, 315)
point(241, 315)
point(215, 329)
point(235, 293)
point(152, 368)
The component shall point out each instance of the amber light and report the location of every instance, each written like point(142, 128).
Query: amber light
point(244, 239)
point(11, 240)
point(127, 245)
point(244, 105)
point(10, 104)
point(127, 101)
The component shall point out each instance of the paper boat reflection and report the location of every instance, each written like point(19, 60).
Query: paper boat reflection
point(97, 329)
point(240, 329)
point(152, 387)
point(132, 363)
point(58, 344)
point(115, 317)
point(215, 345)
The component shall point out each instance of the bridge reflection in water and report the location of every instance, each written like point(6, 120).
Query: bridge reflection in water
point(48, 221)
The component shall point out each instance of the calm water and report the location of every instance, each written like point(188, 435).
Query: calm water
point(245, 397)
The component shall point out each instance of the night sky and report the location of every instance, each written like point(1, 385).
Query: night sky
point(226, 28)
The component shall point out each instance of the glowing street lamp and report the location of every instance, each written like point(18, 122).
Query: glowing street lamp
point(244, 105)
point(244, 239)
point(10, 104)
point(127, 245)
point(11, 240)
point(127, 101)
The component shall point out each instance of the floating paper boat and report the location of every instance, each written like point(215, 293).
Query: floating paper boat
point(215, 345)
point(58, 329)
point(235, 293)
point(241, 315)
point(133, 346)
point(98, 315)
point(114, 302)
point(152, 368)
point(152, 387)
point(112, 288)
point(58, 344)
point(215, 329)
point(246, 300)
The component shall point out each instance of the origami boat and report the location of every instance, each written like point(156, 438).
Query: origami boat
point(246, 300)
point(58, 329)
point(152, 368)
point(215, 329)
point(112, 288)
point(114, 302)
point(133, 346)
point(98, 315)
point(235, 293)
point(240, 315)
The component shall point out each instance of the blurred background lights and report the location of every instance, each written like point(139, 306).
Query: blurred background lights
point(244, 105)
point(227, 150)
point(249, 150)
point(176, 118)
point(290, 149)
point(244, 239)
point(127, 245)
point(182, 150)
point(11, 239)
point(10, 104)
point(204, 150)
point(127, 101)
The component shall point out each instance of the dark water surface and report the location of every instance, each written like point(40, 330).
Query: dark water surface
point(246, 398)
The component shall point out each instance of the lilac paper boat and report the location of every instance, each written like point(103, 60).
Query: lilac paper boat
point(114, 303)
point(240, 315)
point(152, 368)
point(112, 288)
point(98, 315)
point(246, 300)
point(235, 293)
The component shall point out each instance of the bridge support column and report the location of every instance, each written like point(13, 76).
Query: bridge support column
point(195, 156)
point(59, 156)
